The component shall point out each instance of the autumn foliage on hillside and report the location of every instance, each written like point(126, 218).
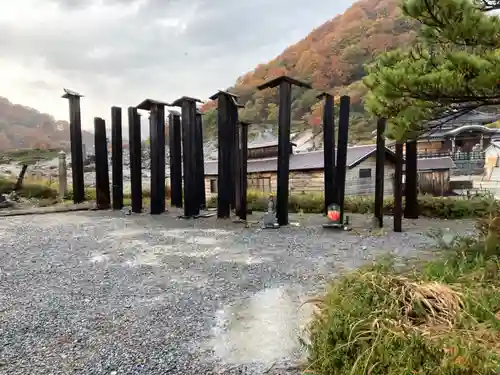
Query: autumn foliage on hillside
point(25, 127)
point(331, 58)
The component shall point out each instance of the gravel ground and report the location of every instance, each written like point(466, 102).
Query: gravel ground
point(105, 293)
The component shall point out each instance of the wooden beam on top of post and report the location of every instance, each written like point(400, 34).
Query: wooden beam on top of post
point(328, 149)
point(75, 132)
point(284, 124)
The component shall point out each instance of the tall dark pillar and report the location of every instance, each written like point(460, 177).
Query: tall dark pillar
point(411, 183)
point(227, 120)
point(236, 159)
point(157, 152)
point(243, 169)
point(340, 172)
point(398, 188)
point(379, 173)
point(191, 193)
point(101, 165)
point(75, 131)
point(284, 124)
point(117, 157)
point(134, 127)
point(328, 149)
point(174, 135)
point(200, 161)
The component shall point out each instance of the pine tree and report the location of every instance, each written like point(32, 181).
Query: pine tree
point(454, 67)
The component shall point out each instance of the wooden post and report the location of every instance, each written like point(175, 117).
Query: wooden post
point(379, 173)
point(340, 172)
point(117, 157)
point(188, 121)
point(227, 119)
point(243, 171)
point(328, 150)
point(134, 127)
point(284, 124)
point(398, 191)
point(236, 159)
point(200, 161)
point(20, 178)
point(62, 175)
point(174, 134)
point(411, 180)
point(75, 130)
point(103, 200)
point(157, 152)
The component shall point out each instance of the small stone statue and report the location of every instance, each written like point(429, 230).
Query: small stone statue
point(270, 205)
point(270, 216)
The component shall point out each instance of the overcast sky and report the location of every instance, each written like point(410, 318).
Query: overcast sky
point(118, 52)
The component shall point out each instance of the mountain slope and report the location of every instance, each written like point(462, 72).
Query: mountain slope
point(330, 58)
point(25, 127)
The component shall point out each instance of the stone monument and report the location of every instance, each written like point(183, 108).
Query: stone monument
point(270, 221)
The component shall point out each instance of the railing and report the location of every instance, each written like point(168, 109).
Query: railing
point(472, 155)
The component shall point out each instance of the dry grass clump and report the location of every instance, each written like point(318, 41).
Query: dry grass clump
point(440, 318)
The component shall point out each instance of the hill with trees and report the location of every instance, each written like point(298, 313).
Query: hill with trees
point(331, 58)
point(24, 127)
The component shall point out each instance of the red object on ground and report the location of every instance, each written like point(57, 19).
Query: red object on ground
point(334, 215)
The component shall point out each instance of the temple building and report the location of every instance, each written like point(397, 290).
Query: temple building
point(464, 139)
point(465, 134)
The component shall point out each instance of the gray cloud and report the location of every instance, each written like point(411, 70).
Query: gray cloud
point(171, 48)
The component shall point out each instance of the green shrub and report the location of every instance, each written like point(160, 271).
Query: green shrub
point(28, 190)
point(90, 194)
point(437, 318)
point(438, 207)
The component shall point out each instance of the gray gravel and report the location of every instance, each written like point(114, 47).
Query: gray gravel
point(104, 293)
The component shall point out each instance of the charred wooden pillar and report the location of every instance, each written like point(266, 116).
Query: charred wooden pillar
point(134, 127)
point(75, 131)
point(328, 150)
point(236, 159)
point(200, 161)
point(101, 165)
point(227, 120)
point(284, 124)
point(157, 152)
point(411, 190)
point(398, 188)
point(242, 213)
point(174, 135)
point(191, 193)
point(340, 170)
point(379, 173)
point(117, 157)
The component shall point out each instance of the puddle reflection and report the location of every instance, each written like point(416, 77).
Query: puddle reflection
point(261, 329)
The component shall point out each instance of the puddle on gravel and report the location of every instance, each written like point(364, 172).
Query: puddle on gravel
point(262, 329)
